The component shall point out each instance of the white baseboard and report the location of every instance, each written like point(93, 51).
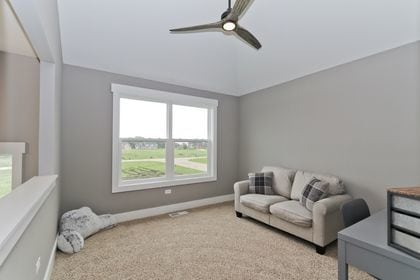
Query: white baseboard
point(50, 265)
point(150, 212)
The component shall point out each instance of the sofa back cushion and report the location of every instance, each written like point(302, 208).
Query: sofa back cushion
point(282, 180)
point(302, 178)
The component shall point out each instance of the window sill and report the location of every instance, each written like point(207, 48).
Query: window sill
point(136, 186)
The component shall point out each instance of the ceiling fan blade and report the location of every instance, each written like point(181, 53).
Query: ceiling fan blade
point(238, 9)
point(199, 27)
point(248, 37)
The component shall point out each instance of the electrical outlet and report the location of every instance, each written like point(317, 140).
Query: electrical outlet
point(38, 265)
point(168, 191)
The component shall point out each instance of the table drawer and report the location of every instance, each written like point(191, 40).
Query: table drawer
point(406, 204)
point(407, 241)
point(405, 221)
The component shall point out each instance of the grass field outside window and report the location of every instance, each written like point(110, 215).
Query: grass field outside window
point(199, 160)
point(138, 163)
point(5, 174)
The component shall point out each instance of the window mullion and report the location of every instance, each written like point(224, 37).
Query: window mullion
point(209, 142)
point(169, 144)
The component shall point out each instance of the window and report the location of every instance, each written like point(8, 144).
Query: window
point(10, 166)
point(162, 139)
point(5, 174)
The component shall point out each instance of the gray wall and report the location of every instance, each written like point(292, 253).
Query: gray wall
point(360, 121)
point(36, 241)
point(86, 145)
point(19, 106)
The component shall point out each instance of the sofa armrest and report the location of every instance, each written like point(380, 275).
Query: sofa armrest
point(240, 188)
point(327, 220)
point(330, 204)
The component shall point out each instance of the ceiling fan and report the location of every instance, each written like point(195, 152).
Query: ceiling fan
point(228, 23)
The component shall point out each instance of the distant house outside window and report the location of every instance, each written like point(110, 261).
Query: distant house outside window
point(162, 139)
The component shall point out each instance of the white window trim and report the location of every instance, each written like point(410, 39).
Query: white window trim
point(124, 91)
point(16, 150)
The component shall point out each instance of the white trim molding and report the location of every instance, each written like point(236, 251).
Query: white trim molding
point(16, 150)
point(169, 99)
point(23, 203)
point(156, 211)
point(51, 261)
point(163, 96)
point(48, 120)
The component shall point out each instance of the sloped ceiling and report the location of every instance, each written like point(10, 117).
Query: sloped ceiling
point(298, 37)
point(12, 37)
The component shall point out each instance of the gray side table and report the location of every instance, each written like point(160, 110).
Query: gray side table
point(364, 245)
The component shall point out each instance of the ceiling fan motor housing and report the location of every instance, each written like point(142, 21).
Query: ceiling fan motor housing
point(226, 13)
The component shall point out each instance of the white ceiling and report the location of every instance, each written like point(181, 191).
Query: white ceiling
point(298, 38)
point(12, 37)
point(309, 36)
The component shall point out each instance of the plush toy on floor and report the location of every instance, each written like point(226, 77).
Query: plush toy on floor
point(76, 225)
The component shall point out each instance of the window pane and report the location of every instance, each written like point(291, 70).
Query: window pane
point(5, 174)
point(142, 119)
point(190, 158)
point(142, 160)
point(189, 122)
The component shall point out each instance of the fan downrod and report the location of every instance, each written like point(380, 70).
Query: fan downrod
point(227, 12)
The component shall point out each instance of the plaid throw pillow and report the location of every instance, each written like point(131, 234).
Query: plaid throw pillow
point(261, 183)
point(315, 190)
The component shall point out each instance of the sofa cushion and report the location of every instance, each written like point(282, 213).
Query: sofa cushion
point(293, 212)
point(260, 202)
point(261, 183)
point(302, 178)
point(282, 179)
point(315, 190)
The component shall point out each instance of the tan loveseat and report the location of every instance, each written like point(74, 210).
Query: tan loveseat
point(284, 211)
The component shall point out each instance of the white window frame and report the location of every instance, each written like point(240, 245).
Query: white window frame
point(169, 98)
point(16, 150)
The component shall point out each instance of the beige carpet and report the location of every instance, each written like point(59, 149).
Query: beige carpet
point(208, 243)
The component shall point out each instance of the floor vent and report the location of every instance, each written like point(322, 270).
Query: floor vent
point(177, 214)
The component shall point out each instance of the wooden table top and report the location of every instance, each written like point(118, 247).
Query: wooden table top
point(413, 191)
